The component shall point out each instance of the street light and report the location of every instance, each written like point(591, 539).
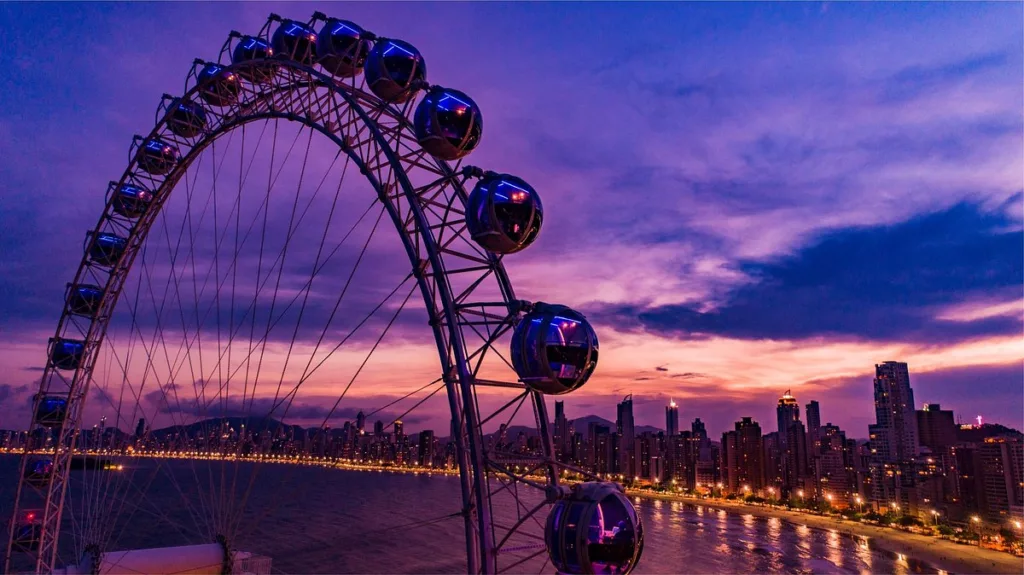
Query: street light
point(935, 514)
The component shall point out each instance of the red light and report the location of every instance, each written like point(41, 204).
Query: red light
point(31, 516)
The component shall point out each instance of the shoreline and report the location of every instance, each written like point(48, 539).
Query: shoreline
point(938, 553)
point(942, 554)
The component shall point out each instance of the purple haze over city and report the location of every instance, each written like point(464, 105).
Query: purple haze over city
point(744, 198)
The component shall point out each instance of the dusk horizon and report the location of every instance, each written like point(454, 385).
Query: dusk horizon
point(742, 199)
point(516, 287)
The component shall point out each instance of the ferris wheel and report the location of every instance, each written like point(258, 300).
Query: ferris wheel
point(236, 277)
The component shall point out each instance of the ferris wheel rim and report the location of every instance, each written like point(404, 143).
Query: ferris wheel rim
point(353, 100)
point(446, 307)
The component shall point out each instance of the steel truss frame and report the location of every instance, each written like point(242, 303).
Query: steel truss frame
point(468, 296)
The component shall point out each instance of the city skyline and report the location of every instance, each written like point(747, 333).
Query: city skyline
point(557, 409)
point(749, 264)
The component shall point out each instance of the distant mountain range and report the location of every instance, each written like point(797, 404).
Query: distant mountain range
point(580, 424)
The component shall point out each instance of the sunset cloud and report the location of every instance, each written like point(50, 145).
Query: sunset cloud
point(742, 198)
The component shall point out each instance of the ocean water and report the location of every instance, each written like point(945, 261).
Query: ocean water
point(316, 520)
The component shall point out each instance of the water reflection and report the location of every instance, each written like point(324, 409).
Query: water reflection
point(835, 548)
point(697, 539)
point(864, 553)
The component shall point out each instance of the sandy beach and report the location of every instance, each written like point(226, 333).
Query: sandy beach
point(940, 553)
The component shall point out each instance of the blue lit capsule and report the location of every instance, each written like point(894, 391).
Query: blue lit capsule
point(27, 531)
point(503, 214)
point(253, 52)
point(342, 48)
point(84, 299)
point(395, 70)
point(186, 119)
point(157, 157)
point(131, 201)
point(448, 124)
point(107, 249)
point(554, 349)
point(66, 354)
point(51, 411)
point(594, 530)
point(39, 471)
point(218, 86)
point(295, 41)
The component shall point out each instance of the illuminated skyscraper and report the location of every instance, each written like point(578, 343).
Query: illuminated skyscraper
point(627, 432)
point(792, 442)
point(895, 429)
point(672, 419)
point(561, 430)
point(813, 425)
point(426, 451)
point(742, 453)
point(787, 412)
point(893, 438)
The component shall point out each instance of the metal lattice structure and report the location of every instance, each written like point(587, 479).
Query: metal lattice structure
point(468, 297)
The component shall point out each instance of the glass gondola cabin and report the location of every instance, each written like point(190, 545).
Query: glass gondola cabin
point(594, 530)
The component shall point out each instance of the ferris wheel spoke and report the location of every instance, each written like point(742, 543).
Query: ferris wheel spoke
point(284, 251)
point(403, 398)
point(308, 288)
point(173, 480)
point(171, 477)
point(306, 292)
point(194, 341)
point(413, 408)
point(294, 299)
point(366, 360)
point(343, 393)
point(191, 308)
point(529, 557)
point(522, 519)
point(307, 373)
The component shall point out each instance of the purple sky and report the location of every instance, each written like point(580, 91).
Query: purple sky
point(744, 198)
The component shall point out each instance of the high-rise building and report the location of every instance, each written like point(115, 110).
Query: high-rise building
point(378, 428)
point(627, 431)
point(360, 423)
point(834, 466)
point(683, 451)
point(671, 419)
point(787, 411)
point(795, 462)
point(426, 448)
point(936, 432)
point(895, 420)
point(699, 430)
point(399, 434)
point(813, 425)
point(793, 449)
point(1002, 477)
point(936, 428)
point(893, 439)
point(562, 436)
point(706, 474)
point(742, 452)
point(140, 429)
point(774, 473)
